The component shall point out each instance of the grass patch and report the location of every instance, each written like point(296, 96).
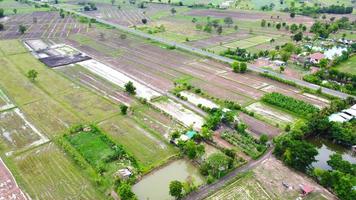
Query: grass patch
point(348, 66)
point(149, 149)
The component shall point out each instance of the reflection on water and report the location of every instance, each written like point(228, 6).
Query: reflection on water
point(155, 186)
point(326, 149)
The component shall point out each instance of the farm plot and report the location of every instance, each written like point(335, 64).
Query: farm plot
point(154, 120)
point(245, 43)
point(245, 187)
point(21, 8)
point(17, 133)
point(245, 143)
point(98, 150)
point(217, 40)
point(41, 25)
point(148, 147)
point(119, 78)
point(258, 127)
point(250, 15)
point(178, 112)
point(197, 100)
point(309, 98)
point(271, 173)
point(81, 75)
point(127, 16)
point(141, 60)
point(46, 173)
point(5, 102)
point(271, 115)
point(8, 185)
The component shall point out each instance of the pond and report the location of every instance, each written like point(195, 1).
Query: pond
point(156, 184)
point(326, 149)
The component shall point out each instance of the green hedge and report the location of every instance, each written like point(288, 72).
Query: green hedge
point(296, 106)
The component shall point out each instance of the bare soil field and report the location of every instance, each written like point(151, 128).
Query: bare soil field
point(144, 61)
point(127, 15)
point(259, 127)
point(48, 25)
point(271, 115)
point(8, 186)
point(251, 15)
point(272, 172)
point(265, 182)
point(79, 74)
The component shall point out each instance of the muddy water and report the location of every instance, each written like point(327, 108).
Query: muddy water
point(154, 186)
point(326, 149)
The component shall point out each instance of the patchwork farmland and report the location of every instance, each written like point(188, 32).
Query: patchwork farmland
point(94, 110)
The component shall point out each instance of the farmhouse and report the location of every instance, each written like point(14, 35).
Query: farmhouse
point(316, 57)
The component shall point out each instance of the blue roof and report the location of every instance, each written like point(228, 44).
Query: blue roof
point(190, 134)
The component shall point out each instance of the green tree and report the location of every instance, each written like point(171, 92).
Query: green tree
point(337, 163)
point(243, 67)
point(32, 74)
point(173, 11)
point(15, 11)
point(123, 109)
point(228, 21)
point(1, 27)
point(323, 63)
point(263, 23)
point(278, 26)
point(298, 37)
point(125, 192)
point(22, 29)
point(235, 67)
point(130, 88)
point(219, 30)
point(292, 15)
point(217, 164)
point(263, 139)
point(176, 189)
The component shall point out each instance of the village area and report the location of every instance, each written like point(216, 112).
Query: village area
point(177, 99)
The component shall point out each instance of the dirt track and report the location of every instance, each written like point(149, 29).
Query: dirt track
point(8, 186)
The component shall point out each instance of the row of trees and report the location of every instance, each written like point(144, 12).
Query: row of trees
point(324, 29)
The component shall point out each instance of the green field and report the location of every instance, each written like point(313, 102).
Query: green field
point(46, 173)
point(148, 147)
point(349, 66)
point(244, 44)
point(22, 8)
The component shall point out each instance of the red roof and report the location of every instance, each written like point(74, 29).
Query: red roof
point(306, 189)
point(317, 56)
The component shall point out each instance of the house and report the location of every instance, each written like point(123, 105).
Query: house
point(185, 137)
point(336, 118)
point(316, 57)
point(279, 63)
point(350, 112)
point(306, 189)
point(123, 173)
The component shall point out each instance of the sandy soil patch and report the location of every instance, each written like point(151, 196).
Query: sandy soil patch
point(119, 78)
point(196, 100)
point(178, 112)
point(270, 114)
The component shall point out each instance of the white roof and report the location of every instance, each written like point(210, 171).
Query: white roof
point(183, 137)
point(353, 107)
point(346, 116)
point(336, 118)
point(350, 112)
